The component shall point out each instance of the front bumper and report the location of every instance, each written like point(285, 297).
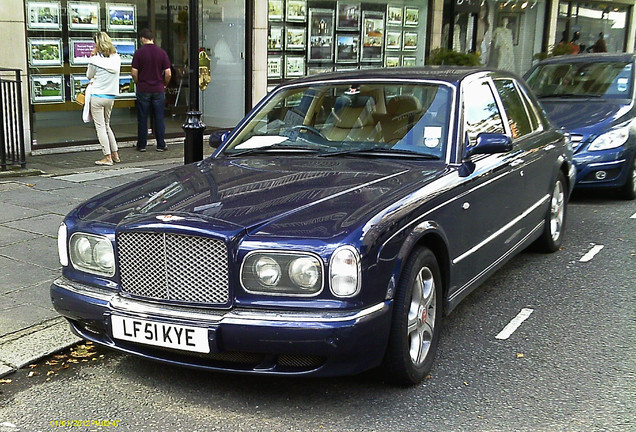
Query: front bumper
point(603, 169)
point(316, 343)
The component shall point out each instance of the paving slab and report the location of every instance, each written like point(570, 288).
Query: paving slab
point(35, 199)
point(97, 175)
point(40, 251)
point(15, 274)
point(43, 183)
point(21, 349)
point(23, 316)
point(10, 235)
point(12, 212)
point(46, 224)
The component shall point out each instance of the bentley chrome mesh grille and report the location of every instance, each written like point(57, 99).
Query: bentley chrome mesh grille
point(175, 267)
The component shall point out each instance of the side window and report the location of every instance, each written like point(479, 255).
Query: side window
point(481, 113)
point(515, 109)
point(535, 120)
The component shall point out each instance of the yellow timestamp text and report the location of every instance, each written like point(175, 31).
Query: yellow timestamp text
point(84, 423)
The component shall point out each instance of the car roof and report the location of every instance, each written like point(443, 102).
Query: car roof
point(450, 74)
point(590, 58)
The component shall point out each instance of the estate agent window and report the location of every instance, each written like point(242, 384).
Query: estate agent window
point(307, 37)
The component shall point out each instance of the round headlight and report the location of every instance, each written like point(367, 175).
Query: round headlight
point(83, 250)
point(267, 270)
point(304, 272)
point(345, 272)
point(103, 255)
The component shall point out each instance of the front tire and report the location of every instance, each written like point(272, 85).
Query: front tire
point(628, 191)
point(416, 322)
point(554, 226)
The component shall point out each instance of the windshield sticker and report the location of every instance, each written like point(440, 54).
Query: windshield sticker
point(261, 141)
point(433, 132)
point(622, 84)
point(431, 142)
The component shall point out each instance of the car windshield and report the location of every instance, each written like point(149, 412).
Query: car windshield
point(401, 120)
point(611, 80)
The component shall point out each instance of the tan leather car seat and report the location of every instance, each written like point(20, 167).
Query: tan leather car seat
point(352, 120)
point(403, 112)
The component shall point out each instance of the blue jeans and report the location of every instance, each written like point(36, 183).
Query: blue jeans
point(157, 101)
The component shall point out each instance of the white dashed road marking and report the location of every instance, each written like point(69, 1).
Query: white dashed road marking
point(588, 256)
point(514, 324)
point(633, 216)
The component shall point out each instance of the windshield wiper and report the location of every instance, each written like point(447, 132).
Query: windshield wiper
point(375, 151)
point(265, 149)
point(570, 95)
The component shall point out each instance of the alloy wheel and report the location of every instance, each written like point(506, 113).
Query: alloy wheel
point(557, 211)
point(421, 316)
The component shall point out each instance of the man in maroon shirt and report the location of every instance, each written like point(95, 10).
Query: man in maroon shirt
point(151, 72)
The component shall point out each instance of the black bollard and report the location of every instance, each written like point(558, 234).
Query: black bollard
point(193, 144)
point(193, 127)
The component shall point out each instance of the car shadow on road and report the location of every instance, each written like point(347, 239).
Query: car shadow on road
point(596, 196)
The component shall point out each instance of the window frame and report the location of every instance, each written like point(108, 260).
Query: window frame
point(481, 80)
point(532, 120)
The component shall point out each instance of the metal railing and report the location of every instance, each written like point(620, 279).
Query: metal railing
point(11, 119)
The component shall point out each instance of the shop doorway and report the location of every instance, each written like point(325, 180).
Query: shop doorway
point(222, 37)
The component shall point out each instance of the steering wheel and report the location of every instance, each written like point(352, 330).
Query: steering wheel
point(309, 129)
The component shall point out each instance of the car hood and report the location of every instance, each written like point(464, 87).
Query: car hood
point(283, 196)
point(589, 117)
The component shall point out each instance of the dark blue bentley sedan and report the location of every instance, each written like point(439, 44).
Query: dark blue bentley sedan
point(329, 233)
point(593, 97)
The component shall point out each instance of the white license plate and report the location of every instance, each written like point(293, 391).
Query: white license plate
point(179, 337)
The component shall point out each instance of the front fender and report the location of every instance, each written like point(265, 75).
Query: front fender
point(397, 250)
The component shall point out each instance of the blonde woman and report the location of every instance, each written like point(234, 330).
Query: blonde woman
point(103, 71)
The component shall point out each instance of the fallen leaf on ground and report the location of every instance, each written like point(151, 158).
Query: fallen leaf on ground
point(520, 355)
point(82, 351)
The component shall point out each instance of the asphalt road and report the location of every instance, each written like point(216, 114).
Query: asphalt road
point(570, 366)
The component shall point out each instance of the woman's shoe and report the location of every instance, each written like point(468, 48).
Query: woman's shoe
point(104, 162)
point(116, 160)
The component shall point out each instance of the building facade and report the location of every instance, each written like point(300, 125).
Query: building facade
point(255, 45)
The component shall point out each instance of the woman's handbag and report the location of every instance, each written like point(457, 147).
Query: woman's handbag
point(80, 98)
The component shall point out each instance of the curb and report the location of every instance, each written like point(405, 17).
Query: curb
point(32, 344)
point(20, 172)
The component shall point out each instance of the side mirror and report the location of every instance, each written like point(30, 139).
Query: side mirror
point(218, 137)
point(489, 143)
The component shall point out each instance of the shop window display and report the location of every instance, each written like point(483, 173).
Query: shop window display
point(504, 34)
point(59, 44)
point(594, 25)
point(330, 35)
point(60, 40)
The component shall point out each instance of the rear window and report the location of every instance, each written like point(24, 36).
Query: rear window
point(599, 79)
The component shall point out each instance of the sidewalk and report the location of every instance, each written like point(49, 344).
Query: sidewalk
point(33, 203)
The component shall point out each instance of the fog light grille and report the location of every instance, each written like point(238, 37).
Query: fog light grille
point(300, 361)
point(175, 267)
